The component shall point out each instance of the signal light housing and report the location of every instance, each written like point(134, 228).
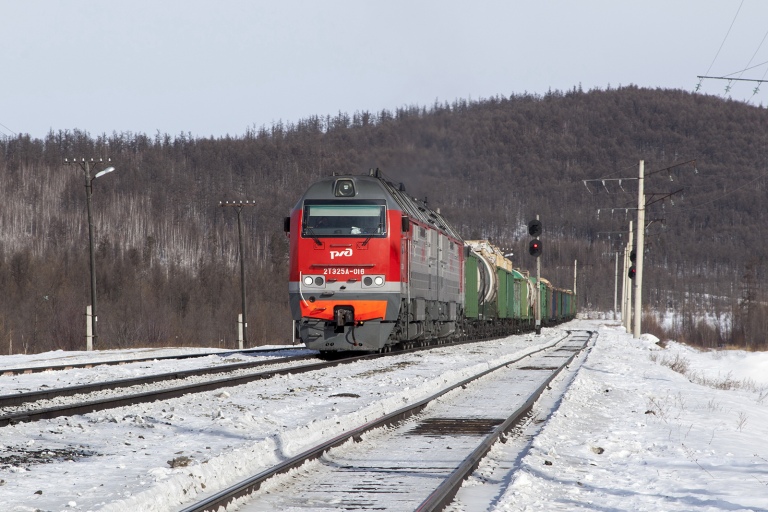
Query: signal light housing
point(534, 247)
point(534, 227)
point(632, 272)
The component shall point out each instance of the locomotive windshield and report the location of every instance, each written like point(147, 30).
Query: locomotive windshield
point(345, 218)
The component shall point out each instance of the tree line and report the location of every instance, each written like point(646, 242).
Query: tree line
point(167, 253)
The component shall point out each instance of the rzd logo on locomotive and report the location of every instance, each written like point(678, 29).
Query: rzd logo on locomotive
point(339, 254)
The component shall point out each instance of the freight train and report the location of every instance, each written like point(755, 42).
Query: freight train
point(372, 268)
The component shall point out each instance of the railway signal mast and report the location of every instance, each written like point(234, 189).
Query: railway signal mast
point(632, 269)
point(534, 248)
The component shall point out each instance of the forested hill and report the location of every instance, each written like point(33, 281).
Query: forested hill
point(167, 252)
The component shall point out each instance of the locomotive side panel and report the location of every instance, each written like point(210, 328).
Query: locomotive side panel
point(451, 286)
point(435, 297)
point(420, 276)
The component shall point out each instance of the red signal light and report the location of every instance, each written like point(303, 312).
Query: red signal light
point(534, 248)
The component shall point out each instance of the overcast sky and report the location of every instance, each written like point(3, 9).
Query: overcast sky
point(212, 68)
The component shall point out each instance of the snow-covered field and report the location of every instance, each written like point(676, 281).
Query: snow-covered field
point(630, 433)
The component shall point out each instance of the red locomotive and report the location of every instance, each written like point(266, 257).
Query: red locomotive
point(371, 267)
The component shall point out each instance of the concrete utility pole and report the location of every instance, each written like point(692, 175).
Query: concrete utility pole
point(538, 292)
point(92, 260)
point(637, 282)
point(628, 282)
point(242, 319)
point(638, 285)
point(625, 256)
point(615, 284)
point(575, 264)
point(90, 311)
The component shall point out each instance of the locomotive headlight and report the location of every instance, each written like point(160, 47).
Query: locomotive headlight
point(373, 281)
point(308, 280)
point(319, 281)
point(344, 188)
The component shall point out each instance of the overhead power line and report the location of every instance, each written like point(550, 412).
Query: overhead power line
point(754, 54)
point(725, 194)
point(740, 72)
point(723, 43)
point(13, 132)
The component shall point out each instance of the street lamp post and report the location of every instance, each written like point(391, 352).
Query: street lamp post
point(243, 323)
point(85, 165)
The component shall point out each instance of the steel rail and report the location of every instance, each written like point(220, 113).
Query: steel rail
point(227, 496)
point(113, 362)
point(445, 492)
point(17, 399)
point(47, 394)
point(167, 393)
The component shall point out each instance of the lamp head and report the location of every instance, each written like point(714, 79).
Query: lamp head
point(105, 171)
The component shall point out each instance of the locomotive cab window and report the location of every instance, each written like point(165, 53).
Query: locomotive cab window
point(344, 218)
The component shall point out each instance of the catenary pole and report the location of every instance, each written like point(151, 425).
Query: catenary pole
point(628, 306)
point(615, 283)
point(624, 287)
point(638, 284)
point(575, 267)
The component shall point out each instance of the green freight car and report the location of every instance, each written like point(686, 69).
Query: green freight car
point(501, 300)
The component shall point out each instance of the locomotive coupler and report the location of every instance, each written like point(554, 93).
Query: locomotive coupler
point(343, 315)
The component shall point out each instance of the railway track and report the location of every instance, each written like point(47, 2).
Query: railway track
point(82, 399)
point(412, 459)
point(45, 367)
point(17, 399)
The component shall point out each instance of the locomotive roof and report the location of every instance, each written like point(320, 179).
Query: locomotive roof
point(374, 186)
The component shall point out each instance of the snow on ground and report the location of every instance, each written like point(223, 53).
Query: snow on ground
point(158, 456)
point(630, 433)
point(737, 365)
point(21, 383)
point(63, 357)
point(671, 319)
